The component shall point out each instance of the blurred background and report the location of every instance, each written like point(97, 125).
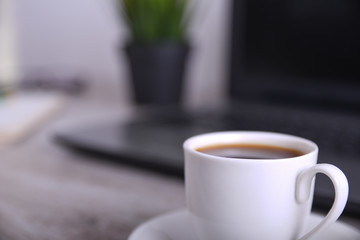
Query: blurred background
point(84, 39)
point(129, 80)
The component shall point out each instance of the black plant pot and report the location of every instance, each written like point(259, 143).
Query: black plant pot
point(157, 72)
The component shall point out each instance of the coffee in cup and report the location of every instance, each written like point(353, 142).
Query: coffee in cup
point(249, 151)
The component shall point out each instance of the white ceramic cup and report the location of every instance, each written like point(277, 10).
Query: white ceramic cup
point(236, 198)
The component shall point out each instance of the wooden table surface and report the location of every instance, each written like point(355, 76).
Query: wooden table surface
point(48, 192)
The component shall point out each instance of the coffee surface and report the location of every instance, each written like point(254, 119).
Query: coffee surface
point(249, 151)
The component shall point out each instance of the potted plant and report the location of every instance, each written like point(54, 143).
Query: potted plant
point(157, 49)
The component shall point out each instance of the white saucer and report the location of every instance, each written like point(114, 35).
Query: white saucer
point(175, 226)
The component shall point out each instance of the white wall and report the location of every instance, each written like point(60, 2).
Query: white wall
point(83, 36)
point(208, 68)
point(9, 62)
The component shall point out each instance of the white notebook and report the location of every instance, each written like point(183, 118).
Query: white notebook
point(21, 113)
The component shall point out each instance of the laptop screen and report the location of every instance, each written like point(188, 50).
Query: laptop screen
point(305, 53)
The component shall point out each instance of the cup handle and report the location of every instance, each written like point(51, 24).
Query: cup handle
point(341, 187)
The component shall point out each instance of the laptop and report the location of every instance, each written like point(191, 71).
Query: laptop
point(293, 69)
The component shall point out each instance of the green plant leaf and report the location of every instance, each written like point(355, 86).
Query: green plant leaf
point(156, 20)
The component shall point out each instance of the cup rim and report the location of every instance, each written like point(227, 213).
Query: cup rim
point(189, 141)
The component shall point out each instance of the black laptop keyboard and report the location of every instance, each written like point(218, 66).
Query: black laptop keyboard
point(160, 133)
point(337, 135)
